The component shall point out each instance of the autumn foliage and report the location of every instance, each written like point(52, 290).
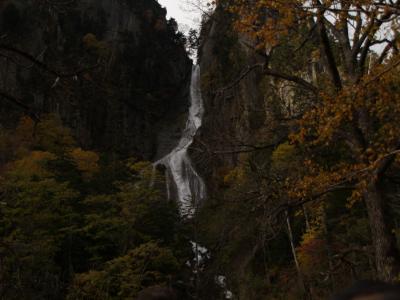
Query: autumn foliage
point(340, 158)
point(77, 225)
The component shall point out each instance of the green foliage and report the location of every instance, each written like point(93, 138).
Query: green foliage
point(85, 161)
point(37, 219)
point(283, 157)
point(71, 219)
point(125, 276)
point(125, 219)
point(51, 135)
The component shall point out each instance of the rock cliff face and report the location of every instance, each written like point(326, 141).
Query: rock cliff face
point(126, 71)
point(243, 122)
point(240, 115)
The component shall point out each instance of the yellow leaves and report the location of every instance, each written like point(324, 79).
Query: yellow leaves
point(145, 170)
point(319, 181)
point(53, 136)
point(356, 196)
point(35, 164)
point(312, 251)
point(369, 107)
point(283, 152)
point(48, 135)
point(86, 161)
point(86, 285)
point(89, 40)
point(124, 276)
point(139, 166)
point(283, 157)
point(268, 22)
point(378, 102)
point(235, 177)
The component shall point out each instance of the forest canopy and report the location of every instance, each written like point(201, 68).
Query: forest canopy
point(336, 167)
point(299, 148)
point(76, 224)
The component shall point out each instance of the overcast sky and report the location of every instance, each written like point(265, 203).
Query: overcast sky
point(179, 10)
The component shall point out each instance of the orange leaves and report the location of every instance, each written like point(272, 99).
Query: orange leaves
point(34, 146)
point(237, 176)
point(319, 180)
point(85, 161)
point(372, 108)
point(327, 119)
point(48, 135)
point(32, 165)
point(266, 21)
point(352, 125)
point(312, 251)
point(356, 196)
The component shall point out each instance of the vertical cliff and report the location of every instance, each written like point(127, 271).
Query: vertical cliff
point(242, 112)
point(115, 71)
point(273, 220)
point(244, 122)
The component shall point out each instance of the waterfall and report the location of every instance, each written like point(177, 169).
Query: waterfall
point(180, 171)
point(190, 187)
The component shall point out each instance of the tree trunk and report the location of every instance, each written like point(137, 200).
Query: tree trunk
point(301, 280)
point(305, 212)
point(386, 253)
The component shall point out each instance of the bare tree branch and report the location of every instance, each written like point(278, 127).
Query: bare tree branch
point(274, 73)
point(42, 65)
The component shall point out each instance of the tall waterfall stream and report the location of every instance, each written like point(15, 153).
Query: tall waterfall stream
point(180, 172)
point(190, 187)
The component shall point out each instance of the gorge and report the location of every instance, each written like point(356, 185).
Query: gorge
point(255, 157)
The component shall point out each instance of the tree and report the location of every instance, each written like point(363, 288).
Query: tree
point(355, 98)
point(125, 276)
point(38, 221)
point(69, 218)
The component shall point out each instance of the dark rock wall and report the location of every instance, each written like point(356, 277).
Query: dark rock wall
point(239, 123)
point(130, 95)
point(245, 121)
point(236, 118)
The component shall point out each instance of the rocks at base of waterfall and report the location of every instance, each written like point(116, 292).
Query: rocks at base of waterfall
point(220, 280)
point(198, 264)
point(201, 254)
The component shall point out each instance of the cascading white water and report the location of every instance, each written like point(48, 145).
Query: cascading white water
point(189, 185)
point(180, 171)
